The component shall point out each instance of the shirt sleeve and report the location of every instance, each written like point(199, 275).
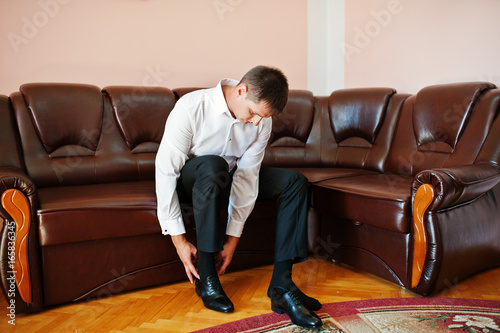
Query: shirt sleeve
point(245, 186)
point(171, 157)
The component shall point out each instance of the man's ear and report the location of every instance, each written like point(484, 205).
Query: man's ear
point(242, 89)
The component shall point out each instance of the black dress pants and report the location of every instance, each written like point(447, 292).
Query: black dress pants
point(205, 182)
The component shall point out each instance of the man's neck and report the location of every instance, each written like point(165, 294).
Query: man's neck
point(229, 93)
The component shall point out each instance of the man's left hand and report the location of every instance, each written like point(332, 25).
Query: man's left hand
point(226, 255)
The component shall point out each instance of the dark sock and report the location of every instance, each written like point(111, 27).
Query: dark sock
point(282, 277)
point(206, 265)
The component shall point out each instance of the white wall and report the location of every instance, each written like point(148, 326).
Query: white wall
point(325, 61)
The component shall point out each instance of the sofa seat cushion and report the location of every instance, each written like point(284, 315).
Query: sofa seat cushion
point(381, 200)
point(70, 214)
point(315, 175)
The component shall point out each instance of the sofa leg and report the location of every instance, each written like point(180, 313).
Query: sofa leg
point(15, 203)
point(422, 200)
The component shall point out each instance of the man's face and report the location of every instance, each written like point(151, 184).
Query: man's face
point(247, 111)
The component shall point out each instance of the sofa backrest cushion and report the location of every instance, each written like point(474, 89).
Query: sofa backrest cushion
point(179, 92)
point(440, 126)
point(293, 141)
point(140, 115)
point(74, 134)
point(65, 118)
point(359, 127)
point(490, 150)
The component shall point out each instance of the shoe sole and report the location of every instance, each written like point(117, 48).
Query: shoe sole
point(277, 310)
point(281, 311)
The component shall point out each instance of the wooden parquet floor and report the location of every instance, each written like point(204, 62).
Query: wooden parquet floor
point(176, 307)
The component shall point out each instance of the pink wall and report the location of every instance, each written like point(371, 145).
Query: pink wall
point(409, 44)
point(172, 43)
point(405, 44)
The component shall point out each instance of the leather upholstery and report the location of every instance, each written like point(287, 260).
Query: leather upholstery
point(294, 140)
point(10, 151)
point(99, 206)
point(84, 158)
point(141, 115)
point(12, 175)
point(360, 118)
point(440, 128)
point(362, 122)
point(385, 198)
point(68, 132)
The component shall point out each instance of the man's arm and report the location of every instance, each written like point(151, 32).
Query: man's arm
point(245, 185)
point(244, 191)
point(171, 157)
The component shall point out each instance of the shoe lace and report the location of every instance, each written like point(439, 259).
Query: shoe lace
point(295, 298)
point(218, 286)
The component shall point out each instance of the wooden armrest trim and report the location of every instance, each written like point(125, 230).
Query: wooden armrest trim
point(422, 200)
point(16, 204)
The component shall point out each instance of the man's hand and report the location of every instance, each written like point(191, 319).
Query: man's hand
point(226, 255)
point(186, 252)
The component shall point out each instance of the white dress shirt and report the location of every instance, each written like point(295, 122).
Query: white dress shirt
point(201, 124)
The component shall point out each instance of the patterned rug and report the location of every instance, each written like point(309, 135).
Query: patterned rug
point(384, 315)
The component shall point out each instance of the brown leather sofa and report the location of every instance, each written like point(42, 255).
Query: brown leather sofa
point(405, 187)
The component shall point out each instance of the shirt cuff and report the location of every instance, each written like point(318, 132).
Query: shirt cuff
point(173, 227)
point(235, 228)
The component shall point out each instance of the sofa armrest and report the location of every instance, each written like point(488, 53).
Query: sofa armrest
point(458, 184)
point(15, 178)
point(439, 196)
point(18, 203)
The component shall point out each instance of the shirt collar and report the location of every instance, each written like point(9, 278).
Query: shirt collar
point(220, 101)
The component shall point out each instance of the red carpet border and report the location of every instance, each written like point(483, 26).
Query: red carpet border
point(400, 315)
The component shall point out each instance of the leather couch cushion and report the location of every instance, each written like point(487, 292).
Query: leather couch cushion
point(69, 214)
point(441, 126)
point(357, 127)
point(79, 116)
point(295, 121)
point(381, 200)
point(441, 113)
point(295, 139)
point(72, 134)
point(141, 114)
point(358, 113)
point(315, 175)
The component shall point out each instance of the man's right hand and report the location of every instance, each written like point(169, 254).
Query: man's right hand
point(187, 252)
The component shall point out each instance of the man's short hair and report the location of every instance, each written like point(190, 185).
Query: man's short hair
point(267, 84)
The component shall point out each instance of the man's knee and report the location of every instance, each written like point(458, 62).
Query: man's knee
point(297, 180)
point(212, 164)
point(214, 169)
point(302, 179)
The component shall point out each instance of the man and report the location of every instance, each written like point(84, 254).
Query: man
point(211, 153)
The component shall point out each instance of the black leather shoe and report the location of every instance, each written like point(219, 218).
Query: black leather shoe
point(283, 301)
point(212, 294)
point(309, 302)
